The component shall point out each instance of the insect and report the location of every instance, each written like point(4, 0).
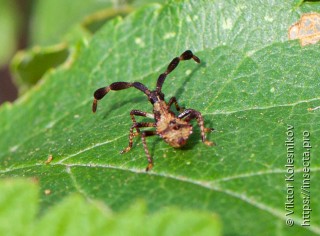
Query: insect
point(175, 130)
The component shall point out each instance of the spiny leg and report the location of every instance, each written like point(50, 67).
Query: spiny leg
point(173, 100)
point(139, 113)
point(145, 134)
point(101, 92)
point(187, 55)
point(190, 114)
point(131, 134)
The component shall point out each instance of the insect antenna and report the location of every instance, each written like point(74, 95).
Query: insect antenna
point(101, 92)
point(187, 55)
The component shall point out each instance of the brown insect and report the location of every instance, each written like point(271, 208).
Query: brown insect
point(175, 130)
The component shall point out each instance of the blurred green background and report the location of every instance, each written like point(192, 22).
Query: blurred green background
point(34, 39)
point(14, 24)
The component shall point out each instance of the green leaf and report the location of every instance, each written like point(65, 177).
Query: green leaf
point(18, 204)
point(53, 19)
point(29, 66)
point(252, 83)
point(75, 216)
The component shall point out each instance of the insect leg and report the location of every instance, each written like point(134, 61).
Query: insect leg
point(190, 114)
point(139, 113)
point(131, 134)
point(174, 100)
point(145, 134)
point(101, 92)
point(187, 55)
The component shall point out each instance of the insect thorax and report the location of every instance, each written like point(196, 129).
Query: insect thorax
point(173, 130)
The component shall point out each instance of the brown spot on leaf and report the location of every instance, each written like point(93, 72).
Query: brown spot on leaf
point(50, 158)
point(307, 29)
